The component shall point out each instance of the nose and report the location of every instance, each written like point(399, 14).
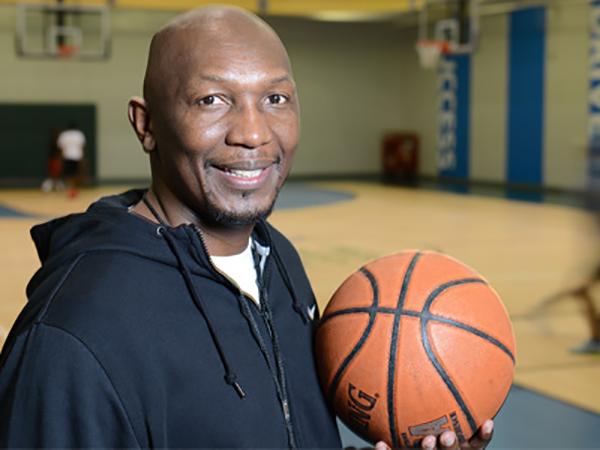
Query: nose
point(249, 128)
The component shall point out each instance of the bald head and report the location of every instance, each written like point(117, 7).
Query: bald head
point(182, 44)
point(220, 118)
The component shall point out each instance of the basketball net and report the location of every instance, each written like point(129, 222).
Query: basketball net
point(429, 52)
point(66, 51)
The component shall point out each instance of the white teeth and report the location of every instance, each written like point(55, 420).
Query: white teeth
point(246, 173)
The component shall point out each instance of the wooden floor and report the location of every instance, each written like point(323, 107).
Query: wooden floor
point(527, 251)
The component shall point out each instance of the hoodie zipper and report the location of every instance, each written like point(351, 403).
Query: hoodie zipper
point(284, 399)
point(278, 372)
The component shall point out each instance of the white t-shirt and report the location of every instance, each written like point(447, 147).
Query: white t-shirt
point(240, 268)
point(71, 143)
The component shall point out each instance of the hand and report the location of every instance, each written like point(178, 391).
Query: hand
point(448, 441)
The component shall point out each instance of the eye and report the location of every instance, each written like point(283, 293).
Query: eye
point(276, 99)
point(210, 100)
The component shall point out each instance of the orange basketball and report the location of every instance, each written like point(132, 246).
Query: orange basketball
point(413, 344)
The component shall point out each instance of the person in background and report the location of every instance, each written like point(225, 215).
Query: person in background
point(71, 143)
point(54, 181)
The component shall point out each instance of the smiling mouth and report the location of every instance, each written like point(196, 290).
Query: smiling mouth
point(246, 176)
point(242, 173)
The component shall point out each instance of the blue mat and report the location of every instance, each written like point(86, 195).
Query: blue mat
point(299, 195)
point(6, 212)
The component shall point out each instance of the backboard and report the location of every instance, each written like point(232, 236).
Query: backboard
point(63, 30)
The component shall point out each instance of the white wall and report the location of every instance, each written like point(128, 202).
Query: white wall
point(489, 98)
point(349, 77)
point(420, 100)
point(356, 81)
point(566, 94)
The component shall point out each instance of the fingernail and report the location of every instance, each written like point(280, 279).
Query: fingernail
point(488, 427)
point(381, 446)
point(429, 443)
point(447, 438)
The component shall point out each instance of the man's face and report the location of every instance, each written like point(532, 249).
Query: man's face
point(227, 129)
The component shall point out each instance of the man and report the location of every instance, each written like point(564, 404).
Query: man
point(178, 317)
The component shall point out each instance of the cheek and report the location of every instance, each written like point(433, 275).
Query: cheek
point(199, 134)
point(288, 134)
point(211, 135)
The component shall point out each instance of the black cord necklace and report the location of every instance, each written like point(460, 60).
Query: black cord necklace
point(154, 212)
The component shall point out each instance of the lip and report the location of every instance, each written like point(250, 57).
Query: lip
point(231, 175)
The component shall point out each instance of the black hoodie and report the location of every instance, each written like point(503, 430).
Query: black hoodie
point(131, 339)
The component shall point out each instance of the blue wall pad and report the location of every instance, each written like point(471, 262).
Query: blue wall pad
point(455, 116)
point(526, 83)
point(530, 421)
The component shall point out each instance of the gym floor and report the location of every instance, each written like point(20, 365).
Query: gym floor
point(528, 251)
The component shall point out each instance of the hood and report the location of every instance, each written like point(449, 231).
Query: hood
point(107, 225)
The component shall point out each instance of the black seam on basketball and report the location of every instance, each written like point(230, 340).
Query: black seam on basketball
point(357, 310)
point(446, 378)
point(431, 355)
point(473, 330)
point(372, 313)
point(435, 294)
point(444, 286)
point(394, 350)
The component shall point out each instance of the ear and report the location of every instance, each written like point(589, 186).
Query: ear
point(139, 117)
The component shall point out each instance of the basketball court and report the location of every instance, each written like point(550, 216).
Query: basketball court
point(495, 98)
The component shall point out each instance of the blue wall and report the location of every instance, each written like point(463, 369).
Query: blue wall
point(526, 87)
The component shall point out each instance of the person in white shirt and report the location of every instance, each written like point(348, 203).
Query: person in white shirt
point(71, 143)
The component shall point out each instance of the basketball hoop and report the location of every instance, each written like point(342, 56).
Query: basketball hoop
point(66, 51)
point(429, 52)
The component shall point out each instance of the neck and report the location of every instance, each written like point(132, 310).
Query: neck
point(219, 240)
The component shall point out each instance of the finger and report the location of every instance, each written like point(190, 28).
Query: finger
point(483, 436)
point(448, 441)
point(429, 442)
point(382, 446)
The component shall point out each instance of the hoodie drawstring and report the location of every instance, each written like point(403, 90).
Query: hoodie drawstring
point(230, 376)
point(297, 304)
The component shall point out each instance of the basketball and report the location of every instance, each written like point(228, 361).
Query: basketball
point(414, 344)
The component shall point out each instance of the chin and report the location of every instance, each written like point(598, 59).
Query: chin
point(239, 218)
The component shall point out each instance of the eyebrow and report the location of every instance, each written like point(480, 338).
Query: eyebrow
point(281, 79)
point(219, 79)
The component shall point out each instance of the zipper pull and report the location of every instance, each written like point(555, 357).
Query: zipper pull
point(286, 409)
point(268, 324)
